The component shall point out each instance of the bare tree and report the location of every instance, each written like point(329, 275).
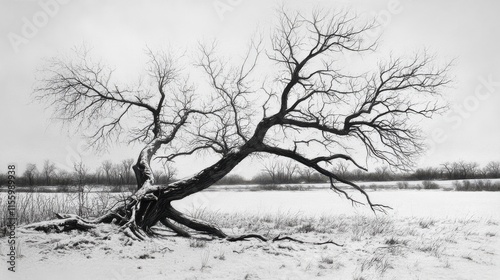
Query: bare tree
point(31, 173)
point(166, 173)
point(468, 169)
point(306, 174)
point(169, 171)
point(117, 174)
point(428, 173)
point(492, 169)
point(64, 177)
point(80, 175)
point(291, 171)
point(313, 112)
point(383, 173)
point(341, 169)
point(126, 169)
point(48, 171)
point(271, 169)
point(461, 169)
point(106, 167)
point(281, 172)
point(450, 169)
point(98, 174)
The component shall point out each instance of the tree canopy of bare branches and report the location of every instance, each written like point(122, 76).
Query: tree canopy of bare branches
point(312, 110)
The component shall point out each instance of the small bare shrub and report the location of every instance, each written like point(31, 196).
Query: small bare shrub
point(205, 255)
point(394, 241)
point(430, 185)
point(145, 256)
point(221, 256)
point(491, 234)
point(402, 185)
point(476, 185)
point(434, 248)
point(426, 223)
point(380, 262)
point(327, 260)
point(309, 227)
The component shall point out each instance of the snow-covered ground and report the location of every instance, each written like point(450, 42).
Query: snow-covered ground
point(405, 203)
point(430, 234)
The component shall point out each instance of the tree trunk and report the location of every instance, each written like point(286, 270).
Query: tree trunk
point(142, 169)
point(149, 212)
point(151, 203)
point(153, 211)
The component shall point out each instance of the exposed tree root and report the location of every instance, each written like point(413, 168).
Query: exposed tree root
point(195, 224)
point(166, 222)
point(278, 238)
point(135, 233)
point(68, 222)
point(61, 225)
point(246, 237)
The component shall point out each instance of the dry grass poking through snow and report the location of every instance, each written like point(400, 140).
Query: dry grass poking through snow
point(36, 207)
point(376, 247)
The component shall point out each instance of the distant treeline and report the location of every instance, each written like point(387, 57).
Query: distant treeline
point(276, 172)
point(288, 173)
point(108, 173)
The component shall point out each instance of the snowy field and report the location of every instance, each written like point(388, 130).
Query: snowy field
point(429, 234)
point(405, 203)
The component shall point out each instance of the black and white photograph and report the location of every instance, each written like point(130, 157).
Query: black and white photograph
point(237, 139)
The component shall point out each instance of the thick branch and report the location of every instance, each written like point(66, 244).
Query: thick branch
point(314, 164)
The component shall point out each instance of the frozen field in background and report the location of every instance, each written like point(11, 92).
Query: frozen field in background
point(423, 203)
point(322, 201)
point(444, 184)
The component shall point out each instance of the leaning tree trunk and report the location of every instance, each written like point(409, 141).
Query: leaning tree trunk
point(156, 210)
point(151, 204)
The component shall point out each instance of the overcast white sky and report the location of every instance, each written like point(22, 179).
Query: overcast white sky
point(118, 31)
